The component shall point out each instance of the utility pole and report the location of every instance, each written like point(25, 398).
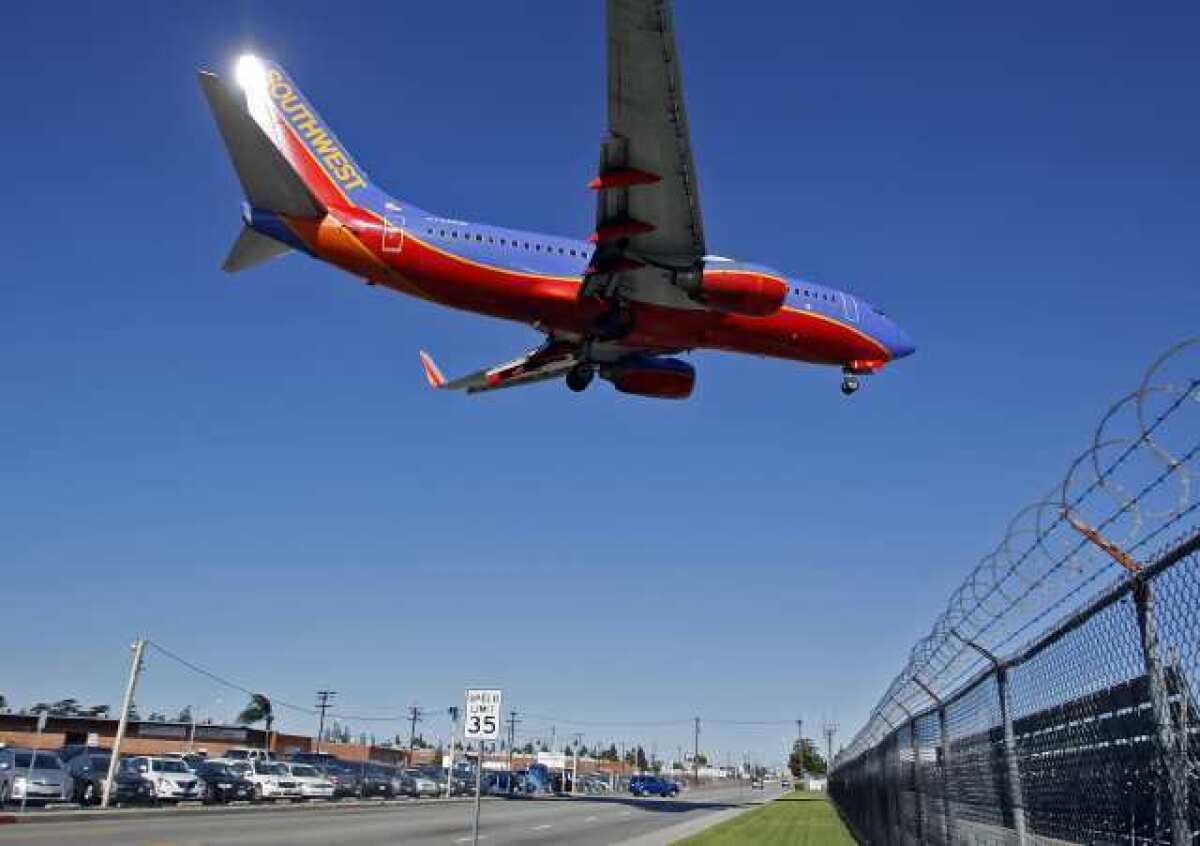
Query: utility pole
point(830, 729)
point(135, 670)
point(696, 754)
point(512, 735)
point(415, 713)
point(323, 697)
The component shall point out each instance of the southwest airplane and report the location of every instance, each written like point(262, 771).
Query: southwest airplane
point(641, 289)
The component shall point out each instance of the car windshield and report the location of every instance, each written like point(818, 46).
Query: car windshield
point(239, 767)
point(45, 761)
point(305, 770)
point(168, 766)
point(99, 761)
point(272, 769)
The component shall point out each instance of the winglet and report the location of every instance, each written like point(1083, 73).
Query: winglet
point(435, 377)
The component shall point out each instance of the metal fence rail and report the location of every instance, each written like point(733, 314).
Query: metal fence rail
point(1089, 732)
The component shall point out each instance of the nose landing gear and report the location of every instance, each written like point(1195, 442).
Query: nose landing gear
point(850, 384)
point(580, 376)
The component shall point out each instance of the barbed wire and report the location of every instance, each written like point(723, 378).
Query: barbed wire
point(1133, 485)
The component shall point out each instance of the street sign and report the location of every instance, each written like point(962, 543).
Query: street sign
point(483, 715)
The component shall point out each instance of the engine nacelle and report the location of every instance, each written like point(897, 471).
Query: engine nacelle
point(746, 292)
point(662, 378)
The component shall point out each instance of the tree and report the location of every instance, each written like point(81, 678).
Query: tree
point(184, 715)
point(805, 759)
point(258, 710)
point(157, 717)
point(98, 711)
point(527, 749)
point(610, 754)
point(3, 703)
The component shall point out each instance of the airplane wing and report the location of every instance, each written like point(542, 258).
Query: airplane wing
point(547, 362)
point(648, 223)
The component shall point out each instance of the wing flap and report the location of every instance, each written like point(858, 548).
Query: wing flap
point(550, 361)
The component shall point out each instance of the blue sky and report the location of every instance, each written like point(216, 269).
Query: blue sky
point(252, 471)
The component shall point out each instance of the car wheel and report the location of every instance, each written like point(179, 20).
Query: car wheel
point(258, 795)
point(88, 796)
point(3, 794)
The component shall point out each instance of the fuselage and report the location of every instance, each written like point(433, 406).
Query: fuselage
point(535, 279)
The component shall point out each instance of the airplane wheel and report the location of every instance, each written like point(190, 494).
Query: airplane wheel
point(849, 385)
point(580, 376)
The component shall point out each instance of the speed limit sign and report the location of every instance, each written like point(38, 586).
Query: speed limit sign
point(483, 715)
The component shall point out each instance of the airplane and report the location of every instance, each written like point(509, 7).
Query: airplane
point(623, 303)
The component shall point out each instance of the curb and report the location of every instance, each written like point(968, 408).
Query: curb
point(220, 810)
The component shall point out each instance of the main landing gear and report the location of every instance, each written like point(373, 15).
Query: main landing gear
point(580, 376)
point(850, 384)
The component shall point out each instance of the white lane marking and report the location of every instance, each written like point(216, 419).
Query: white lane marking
point(627, 813)
point(468, 839)
point(542, 827)
point(591, 819)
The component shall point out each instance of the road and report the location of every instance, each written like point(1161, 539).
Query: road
point(583, 821)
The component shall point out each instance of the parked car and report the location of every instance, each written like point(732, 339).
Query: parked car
point(313, 783)
point(87, 772)
point(756, 784)
point(221, 783)
point(244, 753)
point(271, 779)
point(190, 759)
point(376, 782)
point(596, 783)
point(346, 777)
point(155, 779)
point(649, 785)
point(34, 778)
point(71, 751)
point(417, 784)
point(784, 783)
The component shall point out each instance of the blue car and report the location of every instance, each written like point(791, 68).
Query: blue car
point(652, 786)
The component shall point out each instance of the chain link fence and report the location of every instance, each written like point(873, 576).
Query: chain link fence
point(1054, 702)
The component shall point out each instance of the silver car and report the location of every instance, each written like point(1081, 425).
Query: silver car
point(31, 777)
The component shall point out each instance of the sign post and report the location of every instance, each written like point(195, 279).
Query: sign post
point(482, 723)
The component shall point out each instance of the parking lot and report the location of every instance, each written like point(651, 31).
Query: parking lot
point(581, 820)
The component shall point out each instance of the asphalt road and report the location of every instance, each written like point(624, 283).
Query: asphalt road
point(581, 821)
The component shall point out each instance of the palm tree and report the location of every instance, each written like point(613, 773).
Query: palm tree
point(258, 710)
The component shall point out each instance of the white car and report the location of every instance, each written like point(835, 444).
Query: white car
point(163, 779)
point(313, 785)
point(271, 780)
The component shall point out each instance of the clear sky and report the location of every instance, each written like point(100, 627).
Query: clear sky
point(252, 470)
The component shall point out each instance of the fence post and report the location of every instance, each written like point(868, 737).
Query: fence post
point(944, 743)
point(1011, 769)
point(947, 804)
point(916, 775)
point(1166, 739)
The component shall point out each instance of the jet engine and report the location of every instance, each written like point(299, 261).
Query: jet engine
point(740, 291)
point(662, 378)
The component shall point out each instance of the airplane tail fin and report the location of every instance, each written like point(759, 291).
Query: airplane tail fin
point(268, 179)
point(265, 99)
